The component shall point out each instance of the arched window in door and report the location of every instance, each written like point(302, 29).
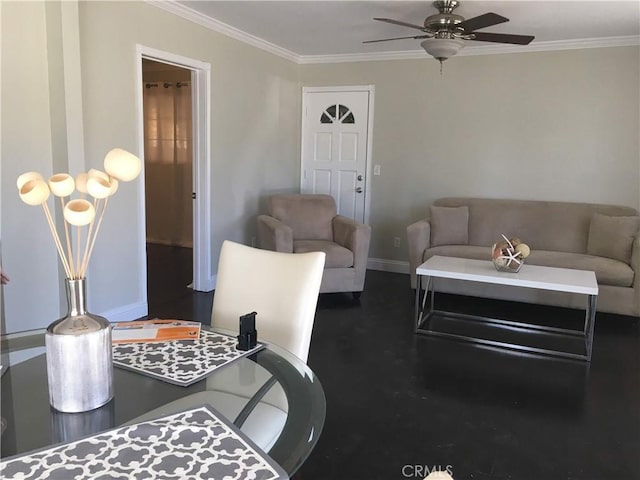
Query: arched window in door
point(337, 114)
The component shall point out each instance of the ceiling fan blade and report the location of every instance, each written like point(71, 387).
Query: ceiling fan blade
point(397, 38)
point(482, 21)
point(503, 38)
point(398, 22)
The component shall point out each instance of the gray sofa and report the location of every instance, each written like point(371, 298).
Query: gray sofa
point(299, 223)
point(601, 238)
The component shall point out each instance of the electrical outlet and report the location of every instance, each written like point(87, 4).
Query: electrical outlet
point(396, 242)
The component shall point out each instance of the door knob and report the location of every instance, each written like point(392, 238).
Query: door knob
point(359, 190)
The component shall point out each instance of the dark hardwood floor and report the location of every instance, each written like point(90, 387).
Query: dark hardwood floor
point(169, 274)
point(400, 405)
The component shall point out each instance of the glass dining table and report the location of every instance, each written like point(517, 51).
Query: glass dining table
point(271, 396)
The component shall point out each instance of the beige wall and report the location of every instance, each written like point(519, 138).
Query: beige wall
point(558, 125)
point(32, 298)
point(254, 133)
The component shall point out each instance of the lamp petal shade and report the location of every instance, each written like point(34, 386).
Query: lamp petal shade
point(34, 189)
point(25, 177)
point(62, 184)
point(34, 192)
point(79, 212)
point(123, 165)
point(81, 182)
point(114, 186)
point(97, 173)
point(98, 187)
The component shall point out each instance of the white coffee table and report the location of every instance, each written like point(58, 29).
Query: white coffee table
point(530, 276)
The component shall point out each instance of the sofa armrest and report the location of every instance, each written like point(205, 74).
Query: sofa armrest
point(354, 236)
point(635, 266)
point(418, 240)
point(274, 235)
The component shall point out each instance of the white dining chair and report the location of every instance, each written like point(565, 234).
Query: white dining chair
point(282, 288)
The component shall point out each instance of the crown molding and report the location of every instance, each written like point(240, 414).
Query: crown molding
point(623, 41)
point(579, 43)
point(187, 13)
point(363, 57)
point(223, 28)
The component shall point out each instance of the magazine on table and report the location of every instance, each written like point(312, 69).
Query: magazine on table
point(154, 331)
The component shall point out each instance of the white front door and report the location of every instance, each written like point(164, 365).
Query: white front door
point(335, 146)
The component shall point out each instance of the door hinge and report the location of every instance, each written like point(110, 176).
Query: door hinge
point(193, 195)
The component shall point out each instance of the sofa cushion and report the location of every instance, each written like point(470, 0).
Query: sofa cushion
point(462, 251)
point(336, 255)
point(608, 271)
point(449, 225)
point(612, 236)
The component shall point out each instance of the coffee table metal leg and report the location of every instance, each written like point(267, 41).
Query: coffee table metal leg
point(421, 299)
point(432, 290)
point(418, 313)
point(589, 324)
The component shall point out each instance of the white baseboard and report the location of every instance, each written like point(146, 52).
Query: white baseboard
point(135, 311)
point(394, 266)
point(125, 313)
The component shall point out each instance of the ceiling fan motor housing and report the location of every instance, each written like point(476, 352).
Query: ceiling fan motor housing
point(445, 23)
point(446, 6)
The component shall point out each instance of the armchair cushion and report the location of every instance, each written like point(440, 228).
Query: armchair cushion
point(612, 236)
point(309, 216)
point(449, 225)
point(336, 255)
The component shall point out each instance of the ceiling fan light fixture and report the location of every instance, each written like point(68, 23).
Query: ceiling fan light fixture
point(447, 32)
point(442, 48)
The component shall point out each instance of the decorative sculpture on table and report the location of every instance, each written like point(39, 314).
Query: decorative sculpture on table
point(508, 255)
point(78, 346)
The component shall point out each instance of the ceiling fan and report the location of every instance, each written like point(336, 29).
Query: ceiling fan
point(445, 32)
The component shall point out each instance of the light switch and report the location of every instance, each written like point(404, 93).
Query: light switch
point(376, 170)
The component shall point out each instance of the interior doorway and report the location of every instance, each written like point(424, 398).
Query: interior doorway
point(168, 165)
point(168, 154)
point(193, 225)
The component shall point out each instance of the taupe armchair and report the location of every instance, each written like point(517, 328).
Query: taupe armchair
point(310, 223)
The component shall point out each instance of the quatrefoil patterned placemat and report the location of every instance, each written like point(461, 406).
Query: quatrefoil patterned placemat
point(196, 444)
point(181, 362)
